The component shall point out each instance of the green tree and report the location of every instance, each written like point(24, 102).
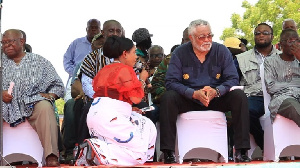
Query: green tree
point(60, 103)
point(272, 12)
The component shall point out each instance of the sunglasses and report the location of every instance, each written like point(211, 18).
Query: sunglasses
point(264, 33)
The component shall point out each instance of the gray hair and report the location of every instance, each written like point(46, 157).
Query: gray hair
point(196, 23)
point(288, 20)
point(155, 46)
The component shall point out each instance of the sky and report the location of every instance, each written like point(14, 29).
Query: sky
point(51, 25)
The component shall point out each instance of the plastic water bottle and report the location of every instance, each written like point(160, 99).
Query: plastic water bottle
point(75, 150)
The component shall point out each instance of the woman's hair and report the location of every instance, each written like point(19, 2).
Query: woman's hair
point(114, 46)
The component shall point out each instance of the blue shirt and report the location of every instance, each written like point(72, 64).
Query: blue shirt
point(186, 73)
point(76, 52)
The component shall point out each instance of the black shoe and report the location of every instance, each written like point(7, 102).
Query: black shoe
point(285, 158)
point(61, 159)
point(169, 157)
point(240, 156)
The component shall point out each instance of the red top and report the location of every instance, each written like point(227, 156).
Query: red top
point(117, 81)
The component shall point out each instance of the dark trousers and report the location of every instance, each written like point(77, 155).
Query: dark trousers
point(256, 110)
point(68, 131)
point(72, 111)
point(173, 104)
point(83, 130)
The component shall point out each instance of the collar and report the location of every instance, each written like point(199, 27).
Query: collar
point(140, 53)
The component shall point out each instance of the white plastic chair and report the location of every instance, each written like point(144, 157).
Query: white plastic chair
point(202, 134)
point(262, 119)
point(21, 143)
point(282, 138)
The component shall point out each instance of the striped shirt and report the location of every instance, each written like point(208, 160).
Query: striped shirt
point(32, 76)
point(90, 66)
point(282, 80)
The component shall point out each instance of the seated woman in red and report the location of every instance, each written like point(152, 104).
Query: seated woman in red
point(122, 136)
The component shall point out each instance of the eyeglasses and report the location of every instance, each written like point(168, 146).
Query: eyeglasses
point(203, 37)
point(290, 41)
point(160, 55)
point(264, 33)
point(9, 41)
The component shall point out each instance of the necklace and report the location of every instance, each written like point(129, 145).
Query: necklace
point(116, 62)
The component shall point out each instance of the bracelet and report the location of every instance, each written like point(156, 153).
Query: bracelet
point(143, 82)
point(52, 98)
point(218, 92)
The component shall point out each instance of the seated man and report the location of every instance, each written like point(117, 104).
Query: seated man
point(248, 64)
point(37, 85)
point(199, 77)
point(282, 78)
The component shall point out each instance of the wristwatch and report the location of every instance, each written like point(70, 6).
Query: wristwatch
point(218, 92)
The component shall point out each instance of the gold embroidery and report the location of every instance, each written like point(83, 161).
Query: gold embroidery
point(186, 76)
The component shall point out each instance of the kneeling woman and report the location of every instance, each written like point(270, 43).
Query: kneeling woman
point(121, 136)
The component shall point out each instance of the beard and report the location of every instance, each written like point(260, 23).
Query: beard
point(204, 47)
point(263, 45)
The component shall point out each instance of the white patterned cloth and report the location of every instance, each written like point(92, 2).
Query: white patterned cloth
point(282, 80)
point(32, 76)
point(123, 137)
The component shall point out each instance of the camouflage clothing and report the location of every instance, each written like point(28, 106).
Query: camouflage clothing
point(158, 80)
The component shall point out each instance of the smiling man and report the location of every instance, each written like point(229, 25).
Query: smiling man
point(37, 86)
point(199, 77)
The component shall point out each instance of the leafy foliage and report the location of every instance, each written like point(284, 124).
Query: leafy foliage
point(60, 103)
point(272, 12)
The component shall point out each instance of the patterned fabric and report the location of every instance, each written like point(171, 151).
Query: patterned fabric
point(90, 66)
point(32, 76)
point(117, 81)
point(93, 62)
point(158, 80)
point(122, 137)
point(87, 86)
point(282, 81)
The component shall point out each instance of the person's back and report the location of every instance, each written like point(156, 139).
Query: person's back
point(109, 83)
point(124, 137)
point(110, 27)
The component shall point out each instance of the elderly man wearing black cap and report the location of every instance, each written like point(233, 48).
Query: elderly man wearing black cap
point(142, 38)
